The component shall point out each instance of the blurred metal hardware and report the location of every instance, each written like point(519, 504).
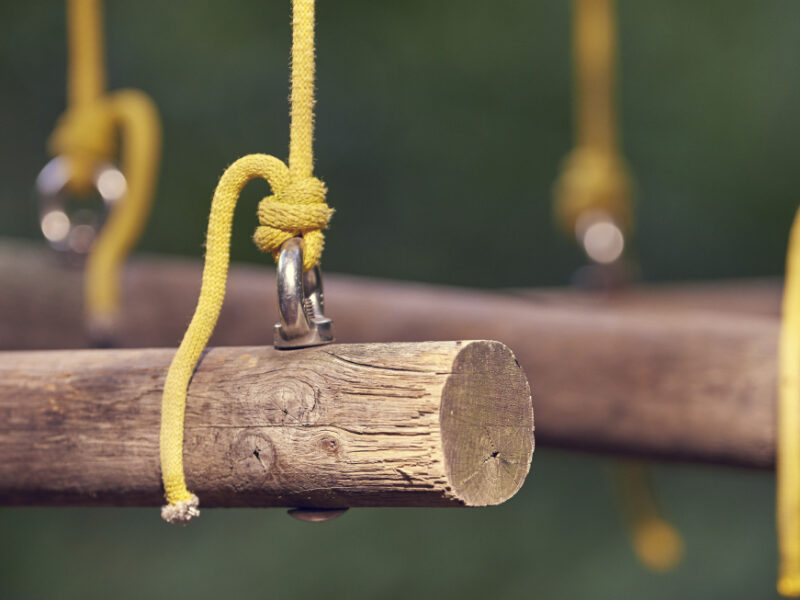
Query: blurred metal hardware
point(67, 231)
point(600, 236)
point(316, 515)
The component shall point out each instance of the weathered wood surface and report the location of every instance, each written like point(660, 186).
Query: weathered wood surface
point(423, 424)
point(689, 378)
point(41, 303)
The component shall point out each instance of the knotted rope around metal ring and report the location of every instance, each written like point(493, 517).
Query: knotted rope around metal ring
point(296, 208)
point(280, 221)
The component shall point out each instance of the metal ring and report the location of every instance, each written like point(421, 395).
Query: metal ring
point(74, 232)
point(300, 301)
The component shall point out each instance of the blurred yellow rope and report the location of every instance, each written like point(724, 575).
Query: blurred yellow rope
point(297, 207)
point(657, 544)
point(136, 118)
point(86, 136)
point(788, 452)
point(595, 177)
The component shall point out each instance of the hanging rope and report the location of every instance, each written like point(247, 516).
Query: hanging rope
point(788, 460)
point(86, 137)
point(595, 178)
point(296, 208)
point(84, 134)
point(594, 175)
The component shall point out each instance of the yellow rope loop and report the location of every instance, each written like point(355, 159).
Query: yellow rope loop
point(86, 136)
point(592, 179)
point(136, 118)
point(297, 209)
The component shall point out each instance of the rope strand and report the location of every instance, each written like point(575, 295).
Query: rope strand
point(788, 459)
point(595, 177)
point(85, 136)
point(301, 129)
point(86, 80)
point(296, 207)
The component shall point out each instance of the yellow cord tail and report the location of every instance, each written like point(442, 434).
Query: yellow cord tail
point(595, 178)
point(788, 459)
point(657, 544)
point(295, 208)
point(212, 294)
point(136, 117)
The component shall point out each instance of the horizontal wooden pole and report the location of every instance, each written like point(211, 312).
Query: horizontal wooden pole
point(743, 297)
point(668, 373)
point(420, 424)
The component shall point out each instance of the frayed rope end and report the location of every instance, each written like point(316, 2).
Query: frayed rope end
point(181, 512)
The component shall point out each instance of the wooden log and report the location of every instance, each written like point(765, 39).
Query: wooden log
point(424, 424)
point(676, 379)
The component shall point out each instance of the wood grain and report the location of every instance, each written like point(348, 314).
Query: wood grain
point(678, 373)
point(422, 424)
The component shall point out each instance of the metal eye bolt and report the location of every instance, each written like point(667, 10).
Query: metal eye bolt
point(300, 302)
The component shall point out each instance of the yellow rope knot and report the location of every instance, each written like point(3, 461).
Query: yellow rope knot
point(85, 136)
point(592, 179)
point(296, 208)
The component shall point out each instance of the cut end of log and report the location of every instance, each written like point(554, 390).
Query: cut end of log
point(487, 424)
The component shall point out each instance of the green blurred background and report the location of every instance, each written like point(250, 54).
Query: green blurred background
point(441, 126)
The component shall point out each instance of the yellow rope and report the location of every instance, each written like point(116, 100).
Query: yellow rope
point(136, 118)
point(86, 80)
point(595, 177)
point(656, 542)
point(788, 459)
point(297, 207)
point(86, 136)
